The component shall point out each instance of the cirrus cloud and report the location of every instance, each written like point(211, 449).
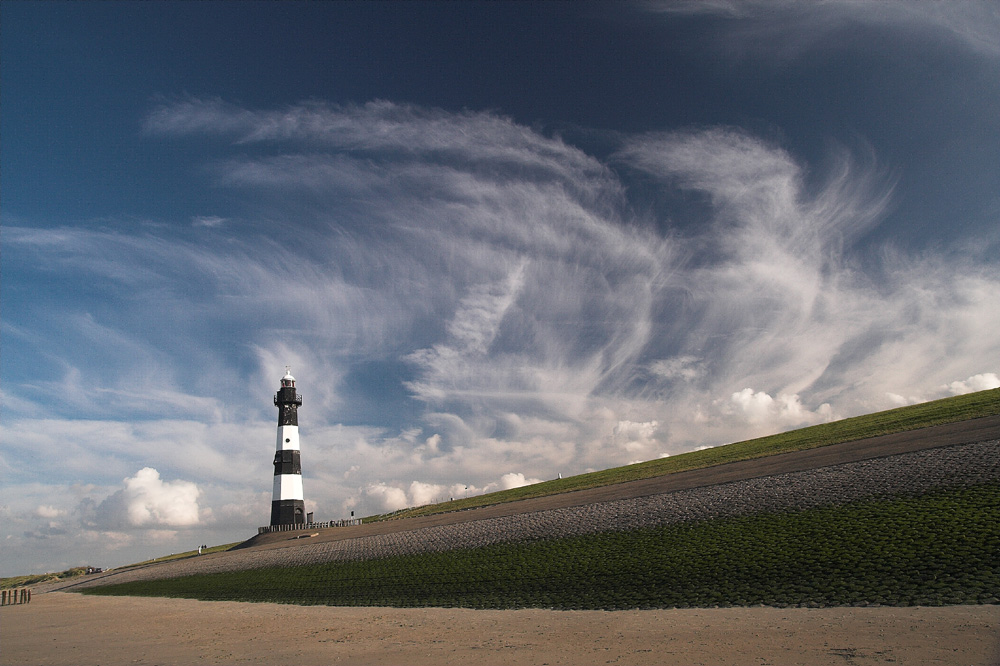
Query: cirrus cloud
point(461, 295)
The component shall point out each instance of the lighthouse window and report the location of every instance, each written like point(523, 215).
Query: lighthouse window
point(287, 440)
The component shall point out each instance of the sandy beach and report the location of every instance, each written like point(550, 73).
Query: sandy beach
point(68, 628)
point(60, 627)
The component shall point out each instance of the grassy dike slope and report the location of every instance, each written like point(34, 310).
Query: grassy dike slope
point(941, 547)
point(902, 419)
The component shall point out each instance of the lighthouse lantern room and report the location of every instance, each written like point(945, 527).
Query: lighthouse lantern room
point(287, 503)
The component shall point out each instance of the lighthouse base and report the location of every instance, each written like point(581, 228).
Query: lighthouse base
point(288, 512)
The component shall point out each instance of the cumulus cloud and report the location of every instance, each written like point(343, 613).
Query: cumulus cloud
point(512, 480)
point(633, 436)
point(152, 501)
point(389, 497)
point(45, 511)
point(425, 493)
point(783, 412)
point(980, 382)
point(147, 501)
point(395, 496)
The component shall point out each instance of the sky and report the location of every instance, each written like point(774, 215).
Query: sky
point(496, 243)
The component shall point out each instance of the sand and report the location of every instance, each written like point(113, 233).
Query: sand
point(68, 628)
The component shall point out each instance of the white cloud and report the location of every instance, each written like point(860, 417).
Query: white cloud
point(498, 275)
point(425, 493)
point(393, 496)
point(389, 497)
point(150, 501)
point(210, 221)
point(980, 382)
point(105, 450)
point(633, 436)
point(687, 368)
point(145, 501)
point(783, 304)
point(381, 127)
point(513, 480)
point(896, 400)
point(783, 412)
point(45, 511)
point(788, 27)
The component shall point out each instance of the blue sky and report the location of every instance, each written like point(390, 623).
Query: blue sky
point(496, 243)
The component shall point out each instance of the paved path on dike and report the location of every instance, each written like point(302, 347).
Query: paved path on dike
point(963, 432)
point(959, 453)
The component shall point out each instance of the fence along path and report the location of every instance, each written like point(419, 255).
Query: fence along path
point(346, 522)
point(15, 597)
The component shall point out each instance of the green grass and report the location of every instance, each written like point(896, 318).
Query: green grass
point(939, 548)
point(937, 412)
point(36, 579)
point(184, 555)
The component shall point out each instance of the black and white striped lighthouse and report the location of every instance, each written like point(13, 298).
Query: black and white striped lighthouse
point(287, 504)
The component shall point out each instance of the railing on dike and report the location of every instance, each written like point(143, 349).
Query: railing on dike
point(345, 522)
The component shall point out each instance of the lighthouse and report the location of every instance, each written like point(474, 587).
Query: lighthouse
point(287, 503)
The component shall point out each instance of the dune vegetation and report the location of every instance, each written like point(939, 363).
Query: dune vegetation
point(37, 579)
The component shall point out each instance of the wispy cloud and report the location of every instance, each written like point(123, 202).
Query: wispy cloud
point(786, 26)
point(486, 296)
point(210, 221)
point(477, 140)
point(785, 305)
